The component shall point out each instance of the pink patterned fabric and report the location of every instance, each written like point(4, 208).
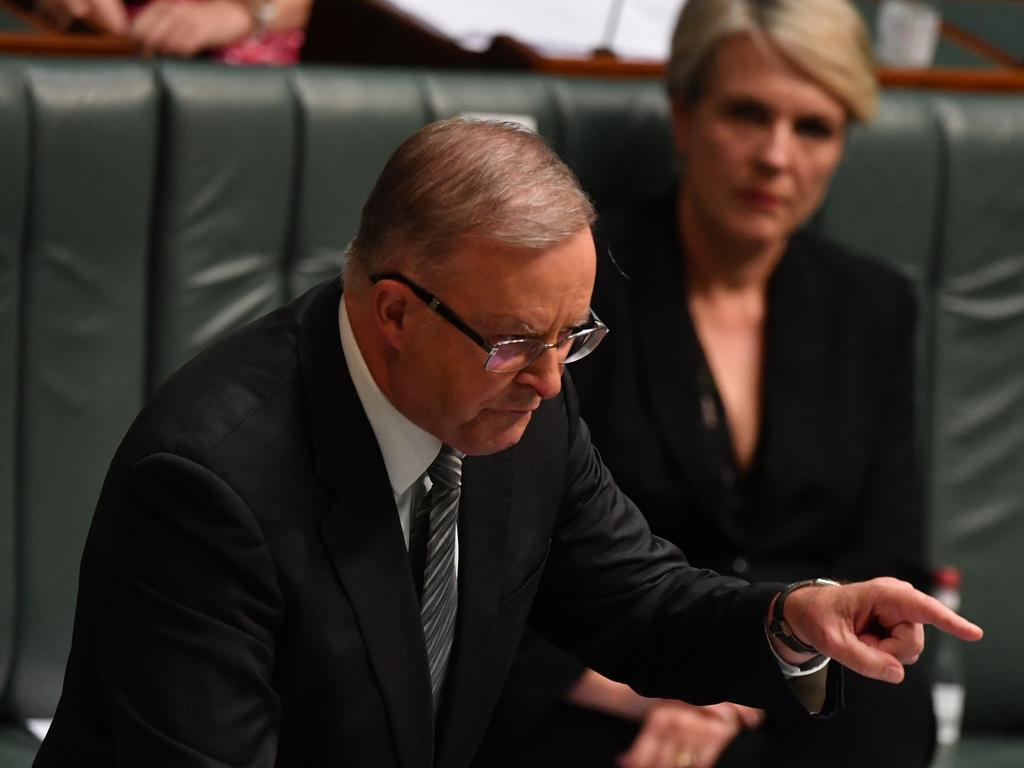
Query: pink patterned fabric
point(272, 47)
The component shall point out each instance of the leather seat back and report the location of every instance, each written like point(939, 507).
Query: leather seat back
point(148, 209)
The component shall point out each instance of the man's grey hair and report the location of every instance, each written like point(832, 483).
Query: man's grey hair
point(462, 178)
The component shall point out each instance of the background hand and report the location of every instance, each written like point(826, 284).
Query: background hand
point(748, 716)
point(872, 627)
point(186, 27)
point(679, 735)
point(102, 15)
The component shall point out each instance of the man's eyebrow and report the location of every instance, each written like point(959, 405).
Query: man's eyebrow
point(511, 324)
point(583, 319)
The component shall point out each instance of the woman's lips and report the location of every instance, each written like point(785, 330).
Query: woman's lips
point(760, 199)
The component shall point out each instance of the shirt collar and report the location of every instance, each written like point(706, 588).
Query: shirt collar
point(408, 450)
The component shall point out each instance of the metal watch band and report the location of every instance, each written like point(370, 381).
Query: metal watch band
point(780, 628)
point(263, 14)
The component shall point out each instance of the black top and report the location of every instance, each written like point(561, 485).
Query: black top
point(834, 488)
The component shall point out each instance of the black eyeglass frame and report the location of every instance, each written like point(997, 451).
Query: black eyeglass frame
point(436, 305)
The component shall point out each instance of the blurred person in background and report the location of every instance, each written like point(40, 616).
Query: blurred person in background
point(235, 31)
point(756, 398)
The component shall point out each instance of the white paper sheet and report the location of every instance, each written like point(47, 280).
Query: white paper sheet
point(631, 28)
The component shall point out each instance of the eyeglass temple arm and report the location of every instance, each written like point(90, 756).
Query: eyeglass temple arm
point(434, 304)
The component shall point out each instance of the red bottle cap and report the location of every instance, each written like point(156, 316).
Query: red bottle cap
point(946, 577)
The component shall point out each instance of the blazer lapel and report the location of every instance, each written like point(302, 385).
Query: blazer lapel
point(362, 532)
point(671, 356)
point(473, 686)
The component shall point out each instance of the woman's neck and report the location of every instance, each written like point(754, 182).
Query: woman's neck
point(718, 265)
point(727, 288)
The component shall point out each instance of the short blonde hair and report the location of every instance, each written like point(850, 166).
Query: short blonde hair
point(826, 39)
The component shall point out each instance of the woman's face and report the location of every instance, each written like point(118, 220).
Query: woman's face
point(760, 144)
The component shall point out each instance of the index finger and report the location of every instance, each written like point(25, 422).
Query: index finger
point(914, 606)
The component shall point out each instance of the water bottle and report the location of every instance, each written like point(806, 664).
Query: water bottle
point(947, 665)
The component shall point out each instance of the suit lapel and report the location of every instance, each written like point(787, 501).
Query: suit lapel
point(362, 533)
point(671, 355)
point(484, 516)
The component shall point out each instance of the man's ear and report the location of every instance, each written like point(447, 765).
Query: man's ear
point(390, 305)
point(680, 127)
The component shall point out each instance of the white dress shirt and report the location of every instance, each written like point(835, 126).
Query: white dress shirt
point(408, 451)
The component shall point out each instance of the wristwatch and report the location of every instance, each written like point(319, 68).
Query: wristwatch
point(263, 14)
point(779, 627)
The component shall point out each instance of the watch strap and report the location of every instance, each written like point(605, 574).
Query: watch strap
point(779, 627)
point(263, 14)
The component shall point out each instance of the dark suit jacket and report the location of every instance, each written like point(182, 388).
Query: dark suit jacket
point(834, 489)
point(246, 598)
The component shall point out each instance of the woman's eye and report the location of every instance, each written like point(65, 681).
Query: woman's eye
point(815, 128)
point(747, 112)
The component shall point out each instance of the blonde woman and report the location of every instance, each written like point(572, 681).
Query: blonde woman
point(756, 397)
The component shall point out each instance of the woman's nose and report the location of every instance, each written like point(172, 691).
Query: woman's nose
point(776, 147)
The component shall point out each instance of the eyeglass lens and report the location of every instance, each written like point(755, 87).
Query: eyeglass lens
point(515, 355)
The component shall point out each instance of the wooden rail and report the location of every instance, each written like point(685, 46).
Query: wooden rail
point(370, 32)
point(37, 38)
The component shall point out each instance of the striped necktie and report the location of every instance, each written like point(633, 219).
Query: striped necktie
point(436, 517)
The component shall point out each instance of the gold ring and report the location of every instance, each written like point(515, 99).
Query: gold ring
point(684, 759)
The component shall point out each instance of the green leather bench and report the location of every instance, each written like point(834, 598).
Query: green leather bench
point(147, 209)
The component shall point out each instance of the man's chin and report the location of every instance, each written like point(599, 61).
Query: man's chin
point(501, 430)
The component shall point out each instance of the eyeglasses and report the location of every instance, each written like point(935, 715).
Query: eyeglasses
point(510, 355)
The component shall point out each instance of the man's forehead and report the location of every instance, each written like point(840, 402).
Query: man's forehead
point(520, 324)
point(529, 289)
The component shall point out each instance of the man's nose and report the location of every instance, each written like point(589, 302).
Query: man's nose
point(544, 375)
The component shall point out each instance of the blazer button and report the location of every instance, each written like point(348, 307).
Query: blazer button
point(740, 565)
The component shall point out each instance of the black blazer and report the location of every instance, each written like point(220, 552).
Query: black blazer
point(834, 489)
point(246, 598)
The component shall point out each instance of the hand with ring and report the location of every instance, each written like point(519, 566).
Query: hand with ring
point(679, 735)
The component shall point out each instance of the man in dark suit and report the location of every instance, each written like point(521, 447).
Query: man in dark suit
point(274, 576)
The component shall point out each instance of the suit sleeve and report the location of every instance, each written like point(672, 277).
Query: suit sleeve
point(890, 536)
point(629, 605)
point(538, 681)
point(186, 606)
